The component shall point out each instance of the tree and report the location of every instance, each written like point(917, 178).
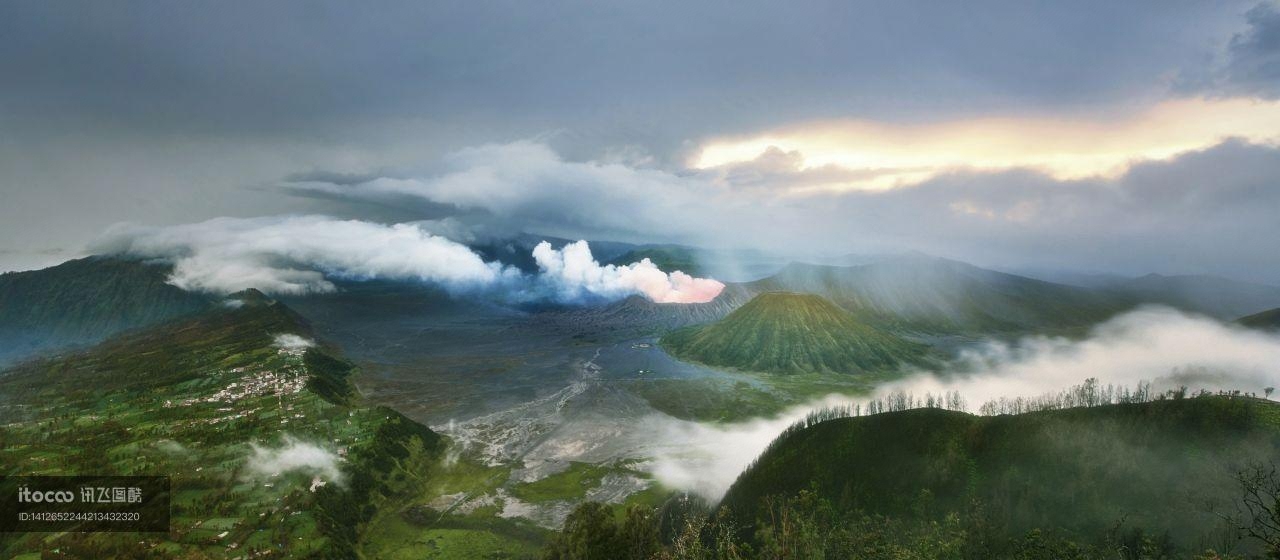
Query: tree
point(1268, 390)
point(638, 534)
point(593, 532)
point(1260, 505)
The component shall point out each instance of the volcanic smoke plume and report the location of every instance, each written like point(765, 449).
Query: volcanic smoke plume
point(572, 271)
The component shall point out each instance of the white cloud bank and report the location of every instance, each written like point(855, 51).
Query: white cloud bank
point(291, 255)
point(294, 455)
point(300, 255)
point(1165, 347)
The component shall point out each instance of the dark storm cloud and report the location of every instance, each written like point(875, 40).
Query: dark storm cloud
point(165, 112)
point(1254, 55)
point(388, 208)
point(656, 71)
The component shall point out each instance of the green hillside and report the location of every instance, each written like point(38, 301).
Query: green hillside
point(84, 301)
point(1269, 319)
point(790, 333)
point(939, 295)
point(191, 400)
point(1164, 469)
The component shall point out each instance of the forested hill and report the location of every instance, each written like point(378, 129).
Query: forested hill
point(1164, 468)
point(84, 301)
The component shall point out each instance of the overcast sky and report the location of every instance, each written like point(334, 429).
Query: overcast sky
point(1102, 136)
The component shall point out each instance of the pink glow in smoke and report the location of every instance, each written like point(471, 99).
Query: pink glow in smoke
point(679, 287)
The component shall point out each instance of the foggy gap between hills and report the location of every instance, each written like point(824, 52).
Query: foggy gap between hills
point(1162, 346)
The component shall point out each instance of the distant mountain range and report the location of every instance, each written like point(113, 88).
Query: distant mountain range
point(1211, 295)
point(782, 332)
point(939, 295)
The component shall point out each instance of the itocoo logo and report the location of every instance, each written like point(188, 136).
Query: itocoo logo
point(59, 496)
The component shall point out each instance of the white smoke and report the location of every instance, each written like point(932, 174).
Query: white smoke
point(572, 271)
point(172, 447)
point(301, 254)
point(292, 255)
point(293, 455)
point(1162, 346)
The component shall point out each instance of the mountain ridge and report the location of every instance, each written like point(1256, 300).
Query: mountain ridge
point(84, 301)
point(1267, 320)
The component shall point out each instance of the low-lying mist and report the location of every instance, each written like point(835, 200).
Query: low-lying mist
point(293, 455)
point(1162, 346)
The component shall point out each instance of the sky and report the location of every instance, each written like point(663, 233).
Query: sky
point(1100, 136)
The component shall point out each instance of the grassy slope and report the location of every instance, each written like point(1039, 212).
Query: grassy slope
point(84, 301)
point(1157, 465)
point(792, 333)
point(138, 405)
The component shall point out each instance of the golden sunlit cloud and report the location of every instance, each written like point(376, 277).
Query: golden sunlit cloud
point(891, 155)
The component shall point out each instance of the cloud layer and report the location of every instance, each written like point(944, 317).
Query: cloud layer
point(114, 115)
point(879, 155)
point(292, 255)
point(303, 254)
point(1206, 211)
point(1161, 346)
